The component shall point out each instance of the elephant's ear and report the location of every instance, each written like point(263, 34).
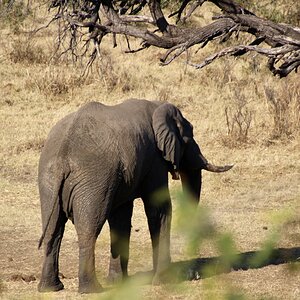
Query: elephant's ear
point(166, 122)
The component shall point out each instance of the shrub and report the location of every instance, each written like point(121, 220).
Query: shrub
point(238, 120)
point(26, 51)
point(284, 105)
point(53, 81)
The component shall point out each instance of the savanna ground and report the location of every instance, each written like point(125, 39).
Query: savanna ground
point(241, 114)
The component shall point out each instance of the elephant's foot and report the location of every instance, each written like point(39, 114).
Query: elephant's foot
point(90, 287)
point(45, 286)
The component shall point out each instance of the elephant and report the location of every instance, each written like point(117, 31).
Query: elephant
point(93, 165)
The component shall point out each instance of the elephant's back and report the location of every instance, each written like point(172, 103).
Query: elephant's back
point(128, 111)
point(100, 129)
point(128, 120)
point(140, 109)
point(95, 121)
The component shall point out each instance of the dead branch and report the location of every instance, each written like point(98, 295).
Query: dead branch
point(89, 21)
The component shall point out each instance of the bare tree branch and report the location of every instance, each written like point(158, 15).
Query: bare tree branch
point(88, 21)
point(272, 53)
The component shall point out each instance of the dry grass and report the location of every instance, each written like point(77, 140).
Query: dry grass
point(247, 201)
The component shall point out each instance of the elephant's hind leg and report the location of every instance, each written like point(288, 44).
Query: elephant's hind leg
point(88, 282)
point(50, 280)
point(89, 218)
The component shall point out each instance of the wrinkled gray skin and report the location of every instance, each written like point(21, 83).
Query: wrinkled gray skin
point(95, 162)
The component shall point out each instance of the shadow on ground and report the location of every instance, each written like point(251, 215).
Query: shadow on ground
point(200, 268)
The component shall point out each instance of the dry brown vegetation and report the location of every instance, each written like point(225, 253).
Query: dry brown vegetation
point(241, 115)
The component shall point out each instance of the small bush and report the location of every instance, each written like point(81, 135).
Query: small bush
point(284, 105)
point(112, 77)
point(238, 120)
point(107, 73)
point(53, 81)
point(25, 51)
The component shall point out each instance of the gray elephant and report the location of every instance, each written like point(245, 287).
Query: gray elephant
point(95, 162)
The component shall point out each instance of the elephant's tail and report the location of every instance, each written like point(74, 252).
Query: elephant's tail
point(55, 209)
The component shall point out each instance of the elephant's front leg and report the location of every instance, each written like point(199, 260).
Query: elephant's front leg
point(159, 214)
point(120, 228)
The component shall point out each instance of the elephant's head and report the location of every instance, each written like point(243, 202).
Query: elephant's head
point(174, 138)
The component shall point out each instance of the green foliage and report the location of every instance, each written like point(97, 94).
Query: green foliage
point(234, 296)
point(267, 248)
point(270, 242)
point(228, 251)
point(129, 289)
point(193, 222)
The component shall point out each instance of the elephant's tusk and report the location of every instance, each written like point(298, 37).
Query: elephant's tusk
point(217, 169)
